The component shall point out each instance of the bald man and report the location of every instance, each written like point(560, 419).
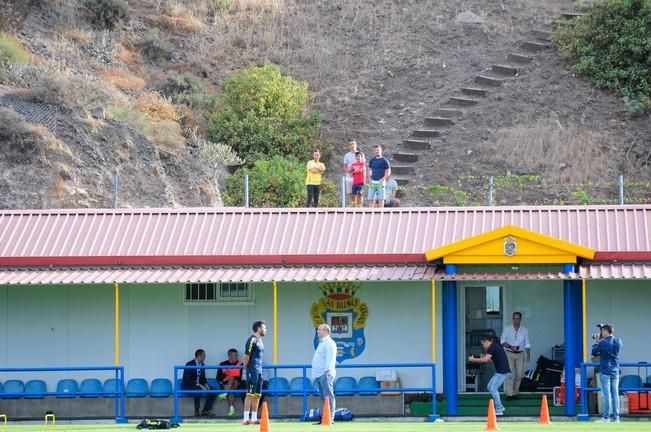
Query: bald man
point(323, 366)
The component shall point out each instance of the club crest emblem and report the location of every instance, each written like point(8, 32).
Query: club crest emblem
point(510, 246)
point(345, 314)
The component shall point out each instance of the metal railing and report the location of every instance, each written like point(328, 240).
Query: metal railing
point(585, 389)
point(274, 393)
point(118, 395)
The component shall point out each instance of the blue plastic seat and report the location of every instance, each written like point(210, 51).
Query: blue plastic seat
point(368, 385)
point(278, 386)
point(214, 384)
point(67, 386)
point(296, 386)
point(33, 388)
point(92, 386)
point(160, 388)
point(111, 386)
point(137, 388)
point(630, 381)
point(648, 379)
point(14, 386)
point(345, 386)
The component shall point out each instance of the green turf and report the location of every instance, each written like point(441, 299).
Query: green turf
point(359, 427)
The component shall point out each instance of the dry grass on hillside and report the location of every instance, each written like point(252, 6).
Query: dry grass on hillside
point(123, 79)
point(561, 153)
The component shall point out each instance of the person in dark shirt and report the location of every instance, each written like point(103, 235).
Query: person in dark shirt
point(195, 379)
point(607, 349)
point(496, 354)
point(253, 350)
point(379, 171)
point(230, 379)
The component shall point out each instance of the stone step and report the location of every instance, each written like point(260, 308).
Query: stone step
point(542, 34)
point(403, 170)
point(460, 101)
point(486, 80)
point(401, 181)
point(416, 145)
point(447, 112)
point(571, 15)
point(504, 70)
point(519, 58)
point(438, 122)
point(534, 46)
point(472, 91)
point(426, 133)
point(405, 157)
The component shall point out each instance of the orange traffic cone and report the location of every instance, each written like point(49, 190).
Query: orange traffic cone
point(544, 411)
point(491, 421)
point(264, 421)
point(326, 419)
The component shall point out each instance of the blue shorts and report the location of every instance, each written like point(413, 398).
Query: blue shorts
point(253, 382)
point(357, 189)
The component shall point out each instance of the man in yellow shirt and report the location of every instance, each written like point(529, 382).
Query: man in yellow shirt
point(315, 170)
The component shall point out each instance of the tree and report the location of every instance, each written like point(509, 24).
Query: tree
point(217, 156)
point(275, 182)
point(611, 46)
point(263, 113)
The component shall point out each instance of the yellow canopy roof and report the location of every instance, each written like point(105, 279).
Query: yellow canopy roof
point(510, 244)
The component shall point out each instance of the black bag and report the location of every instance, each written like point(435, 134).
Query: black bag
point(156, 424)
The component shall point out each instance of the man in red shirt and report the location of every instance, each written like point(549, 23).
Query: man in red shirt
point(230, 379)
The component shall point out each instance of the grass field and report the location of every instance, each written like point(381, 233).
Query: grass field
point(356, 427)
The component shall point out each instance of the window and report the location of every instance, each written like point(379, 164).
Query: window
point(493, 300)
point(219, 293)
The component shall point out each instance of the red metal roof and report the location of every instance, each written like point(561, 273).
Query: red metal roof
point(76, 275)
point(275, 236)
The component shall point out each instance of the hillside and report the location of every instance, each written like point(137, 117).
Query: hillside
point(377, 70)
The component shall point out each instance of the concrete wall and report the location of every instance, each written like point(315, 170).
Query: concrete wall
point(73, 325)
point(627, 306)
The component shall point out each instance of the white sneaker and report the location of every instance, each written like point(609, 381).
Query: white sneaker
point(603, 420)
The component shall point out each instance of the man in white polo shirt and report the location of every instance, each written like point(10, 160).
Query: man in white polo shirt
point(515, 340)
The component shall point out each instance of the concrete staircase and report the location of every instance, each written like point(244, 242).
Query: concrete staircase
point(442, 121)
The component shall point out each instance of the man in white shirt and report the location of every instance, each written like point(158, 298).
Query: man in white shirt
point(349, 160)
point(515, 340)
point(323, 366)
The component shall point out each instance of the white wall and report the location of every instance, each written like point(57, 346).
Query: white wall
point(627, 306)
point(73, 325)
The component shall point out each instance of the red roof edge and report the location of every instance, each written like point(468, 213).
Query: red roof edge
point(213, 260)
point(622, 256)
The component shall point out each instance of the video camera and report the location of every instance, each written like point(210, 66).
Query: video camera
point(597, 336)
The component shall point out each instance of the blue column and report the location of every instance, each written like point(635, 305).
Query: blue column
point(450, 342)
point(572, 351)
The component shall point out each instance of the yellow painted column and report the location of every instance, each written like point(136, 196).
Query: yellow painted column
point(117, 324)
point(433, 320)
point(584, 301)
point(275, 322)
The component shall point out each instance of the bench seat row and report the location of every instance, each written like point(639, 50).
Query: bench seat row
point(162, 387)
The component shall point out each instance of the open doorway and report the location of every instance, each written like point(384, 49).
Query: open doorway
point(484, 316)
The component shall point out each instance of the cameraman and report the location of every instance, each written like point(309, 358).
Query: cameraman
point(607, 349)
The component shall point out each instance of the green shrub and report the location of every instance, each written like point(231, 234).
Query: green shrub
point(186, 88)
point(219, 7)
point(262, 112)
point(132, 117)
point(155, 47)
point(275, 182)
point(611, 47)
point(106, 14)
point(11, 51)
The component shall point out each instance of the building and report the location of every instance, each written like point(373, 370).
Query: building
point(396, 285)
